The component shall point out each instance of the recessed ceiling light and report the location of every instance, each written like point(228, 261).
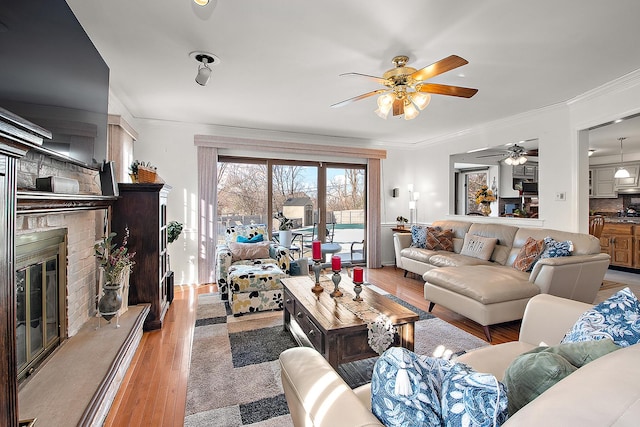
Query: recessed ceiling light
point(617, 121)
point(201, 2)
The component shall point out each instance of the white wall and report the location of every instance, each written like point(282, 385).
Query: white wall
point(563, 166)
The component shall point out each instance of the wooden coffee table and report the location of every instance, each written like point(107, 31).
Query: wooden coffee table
point(337, 333)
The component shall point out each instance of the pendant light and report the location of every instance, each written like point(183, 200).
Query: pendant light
point(621, 172)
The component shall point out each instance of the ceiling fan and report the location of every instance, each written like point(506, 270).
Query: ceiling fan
point(405, 88)
point(513, 155)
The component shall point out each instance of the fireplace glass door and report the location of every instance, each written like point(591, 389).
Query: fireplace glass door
point(37, 312)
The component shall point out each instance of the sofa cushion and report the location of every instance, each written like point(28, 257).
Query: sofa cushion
point(452, 259)
point(529, 254)
point(417, 254)
point(242, 251)
point(505, 235)
point(478, 246)
point(418, 236)
point(617, 318)
point(439, 240)
point(487, 284)
point(555, 249)
point(532, 373)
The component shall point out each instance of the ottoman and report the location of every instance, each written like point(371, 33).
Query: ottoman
point(254, 288)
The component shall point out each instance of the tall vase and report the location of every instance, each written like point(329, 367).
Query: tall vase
point(110, 301)
point(485, 208)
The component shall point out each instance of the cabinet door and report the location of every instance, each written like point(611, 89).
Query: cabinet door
point(590, 182)
point(604, 182)
point(622, 251)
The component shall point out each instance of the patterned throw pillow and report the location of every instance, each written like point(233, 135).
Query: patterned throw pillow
point(421, 405)
point(478, 246)
point(555, 249)
point(255, 239)
point(617, 318)
point(472, 398)
point(439, 240)
point(435, 392)
point(528, 254)
point(418, 236)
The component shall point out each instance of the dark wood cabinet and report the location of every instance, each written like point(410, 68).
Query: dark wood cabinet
point(142, 208)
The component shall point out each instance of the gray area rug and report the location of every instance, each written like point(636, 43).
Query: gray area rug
point(234, 377)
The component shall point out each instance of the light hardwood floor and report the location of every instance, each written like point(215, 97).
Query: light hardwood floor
point(153, 392)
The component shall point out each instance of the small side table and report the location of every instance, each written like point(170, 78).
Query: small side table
point(401, 230)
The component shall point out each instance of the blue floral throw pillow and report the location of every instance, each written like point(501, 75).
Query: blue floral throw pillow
point(472, 398)
point(617, 318)
point(419, 404)
point(412, 390)
point(555, 249)
point(418, 236)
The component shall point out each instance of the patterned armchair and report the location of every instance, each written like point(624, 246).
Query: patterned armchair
point(279, 255)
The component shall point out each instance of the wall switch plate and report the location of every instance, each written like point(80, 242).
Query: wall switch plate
point(562, 196)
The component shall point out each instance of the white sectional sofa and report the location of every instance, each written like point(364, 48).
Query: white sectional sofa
point(605, 392)
point(492, 291)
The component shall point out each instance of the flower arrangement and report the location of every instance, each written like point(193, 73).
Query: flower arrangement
point(484, 195)
point(285, 223)
point(114, 260)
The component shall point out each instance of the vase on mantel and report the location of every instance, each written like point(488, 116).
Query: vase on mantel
point(485, 208)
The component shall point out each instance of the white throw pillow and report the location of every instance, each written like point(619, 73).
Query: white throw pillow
point(478, 246)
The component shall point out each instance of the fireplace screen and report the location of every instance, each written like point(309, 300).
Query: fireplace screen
point(38, 292)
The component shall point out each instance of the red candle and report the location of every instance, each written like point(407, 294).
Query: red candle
point(357, 274)
point(316, 251)
point(336, 263)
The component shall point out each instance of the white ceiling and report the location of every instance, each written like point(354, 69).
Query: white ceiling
point(281, 59)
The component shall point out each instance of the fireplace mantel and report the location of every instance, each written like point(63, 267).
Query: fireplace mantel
point(36, 202)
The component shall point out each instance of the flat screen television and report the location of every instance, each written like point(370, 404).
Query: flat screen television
point(52, 75)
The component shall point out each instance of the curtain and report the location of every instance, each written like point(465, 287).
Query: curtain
point(207, 212)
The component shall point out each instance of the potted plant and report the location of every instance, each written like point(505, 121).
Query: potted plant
point(174, 228)
point(401, 221)
point(284, 228)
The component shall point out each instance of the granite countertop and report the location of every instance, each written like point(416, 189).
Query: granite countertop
point(622, 220)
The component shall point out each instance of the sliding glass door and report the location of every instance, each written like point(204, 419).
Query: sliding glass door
point(314, 196)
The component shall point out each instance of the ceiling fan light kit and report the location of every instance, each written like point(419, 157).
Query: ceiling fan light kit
point(405, 89)
point(516, 156)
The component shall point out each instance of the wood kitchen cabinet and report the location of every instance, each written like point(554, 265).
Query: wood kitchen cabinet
point(143, 209)
point(617, 240)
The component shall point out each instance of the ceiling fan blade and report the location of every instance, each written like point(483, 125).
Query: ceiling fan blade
point(463, 92)
point(358, 98)
point(447, 64)
point(373, 78)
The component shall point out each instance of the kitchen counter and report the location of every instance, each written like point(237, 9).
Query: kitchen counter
point(622, 220)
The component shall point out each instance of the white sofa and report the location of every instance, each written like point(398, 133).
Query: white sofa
point(491, 292)
point(605, 392)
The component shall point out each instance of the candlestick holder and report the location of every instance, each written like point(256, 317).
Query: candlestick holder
point(336, 281)
point(317, 288)
point(357, 288)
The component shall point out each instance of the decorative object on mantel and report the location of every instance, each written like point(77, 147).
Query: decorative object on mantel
point(336, 267)
point(316, 254)
point(58, 184)
point(114, 262)
point(484, 197)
